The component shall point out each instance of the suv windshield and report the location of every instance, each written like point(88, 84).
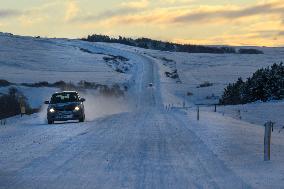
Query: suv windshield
point(64, 97)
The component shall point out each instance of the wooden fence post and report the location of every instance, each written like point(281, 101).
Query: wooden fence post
point(198, 113)
point(22, 106)
point(3, 121)
point(267, 140)
point(239, 114)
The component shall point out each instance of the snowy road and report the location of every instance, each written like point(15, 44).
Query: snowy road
point(146, 148)
point(137, 150)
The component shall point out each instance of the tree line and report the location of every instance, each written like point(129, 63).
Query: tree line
point(168, 46)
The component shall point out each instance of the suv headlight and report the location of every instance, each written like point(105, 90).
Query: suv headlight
point(51, 110)
point(77, 108)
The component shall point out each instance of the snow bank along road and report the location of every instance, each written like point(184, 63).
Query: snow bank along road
point(146, 148)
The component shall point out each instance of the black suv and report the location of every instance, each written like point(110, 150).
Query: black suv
point(65, 106)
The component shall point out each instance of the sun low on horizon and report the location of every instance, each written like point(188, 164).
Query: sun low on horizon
point(208, 22)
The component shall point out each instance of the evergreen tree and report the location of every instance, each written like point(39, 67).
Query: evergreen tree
point(265, 84)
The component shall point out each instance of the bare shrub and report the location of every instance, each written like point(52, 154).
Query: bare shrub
point(205, 84)
point(10, 104)
point(4, 83)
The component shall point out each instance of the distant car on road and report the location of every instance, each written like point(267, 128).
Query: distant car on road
point(150, 85)
point(64, 106)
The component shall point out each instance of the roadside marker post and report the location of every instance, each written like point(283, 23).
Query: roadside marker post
point(23, 110)
point(267, 140)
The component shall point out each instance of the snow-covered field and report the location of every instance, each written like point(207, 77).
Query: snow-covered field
point(135, 142)
point(256, 113)
point(240, 145)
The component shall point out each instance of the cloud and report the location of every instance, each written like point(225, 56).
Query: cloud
point(161, 16)
point(28, 20)
point(228, 13)
point(177, 1)
point(108, 14)
point(136, 4)
point(139, 12)
point(269, 35)
point(117, 12)
point(125, 8)
point(72, 9)
point(247, 39)
point(6, 13)
point(281, 33)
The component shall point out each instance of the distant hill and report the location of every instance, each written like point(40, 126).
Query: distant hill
point(168, 46)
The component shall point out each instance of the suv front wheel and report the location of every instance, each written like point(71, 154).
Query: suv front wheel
point(50, 122)
point(82, 119)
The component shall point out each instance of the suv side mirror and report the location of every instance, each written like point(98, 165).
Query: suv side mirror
point(82, 100)
point(46, 102)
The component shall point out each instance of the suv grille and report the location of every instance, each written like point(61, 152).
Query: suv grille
point(65, 108)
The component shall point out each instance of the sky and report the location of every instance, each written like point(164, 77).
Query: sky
point(207, 22)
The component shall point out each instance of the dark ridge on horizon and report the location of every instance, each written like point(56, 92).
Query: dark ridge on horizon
point(153, 44)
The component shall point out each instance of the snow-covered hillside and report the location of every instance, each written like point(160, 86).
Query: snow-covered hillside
point(145, 139)
point(27, 59)
point(218, 69)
